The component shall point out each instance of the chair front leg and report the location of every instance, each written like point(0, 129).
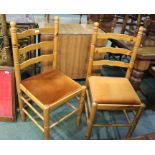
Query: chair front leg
point(21, 106)
point(135, 121)
point(46, 123)
point(81, 105)
point(91, 120)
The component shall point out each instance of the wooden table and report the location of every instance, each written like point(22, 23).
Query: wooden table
point(144, 57)
point(73, 49)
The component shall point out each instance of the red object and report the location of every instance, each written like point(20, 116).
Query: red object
point(6, 94)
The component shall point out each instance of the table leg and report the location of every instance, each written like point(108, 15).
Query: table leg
point(139, 67)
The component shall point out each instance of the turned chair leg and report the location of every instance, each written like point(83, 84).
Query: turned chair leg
point(91, 120)
point(81, 105)
point(46, 124)
point(135, 121)
point(21, 106)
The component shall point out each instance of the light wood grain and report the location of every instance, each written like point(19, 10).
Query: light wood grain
point(45, 44)
point(113, 50)
point(32, 32)
point(24, 92)
point(117, 37)
point(102, 106)
point(73, 49)
point(41, 58)
point(110, 63)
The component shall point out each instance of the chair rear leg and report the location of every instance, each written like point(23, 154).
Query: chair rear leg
point(46, 123)
point(91, 120)
point(135, 121)
point(81, 105)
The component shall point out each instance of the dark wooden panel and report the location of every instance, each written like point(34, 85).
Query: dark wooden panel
point(7, 96)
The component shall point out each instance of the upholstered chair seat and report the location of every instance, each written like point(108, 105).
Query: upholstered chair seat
point(51, 86)
point(108, 90)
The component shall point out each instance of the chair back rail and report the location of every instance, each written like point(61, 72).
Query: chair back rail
point(32, 47)
point(113, 50)
point(31, 61)
point(115, 36)
point(33, 32)
point(110, 63)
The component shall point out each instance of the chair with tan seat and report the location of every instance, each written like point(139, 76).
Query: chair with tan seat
point(112, 93)
point(46, 91)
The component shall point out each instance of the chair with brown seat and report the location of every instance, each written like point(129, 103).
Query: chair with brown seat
point(112, 93)
point(48, 90)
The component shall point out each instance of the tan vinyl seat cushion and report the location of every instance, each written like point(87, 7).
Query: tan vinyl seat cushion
point(50, 86)
point(112, 90)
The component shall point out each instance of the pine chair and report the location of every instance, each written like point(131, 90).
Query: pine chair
point(112, 93)
point(48, 90)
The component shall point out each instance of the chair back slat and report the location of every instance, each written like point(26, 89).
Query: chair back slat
point(115, 36)
point(110, 63)
point(33, 32)
point(113, 50)
point(32, 61)
point(48, 30)
point(44, 44)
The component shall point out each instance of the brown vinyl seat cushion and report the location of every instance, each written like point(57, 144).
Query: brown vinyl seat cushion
point(50, 86)
point(112, 90)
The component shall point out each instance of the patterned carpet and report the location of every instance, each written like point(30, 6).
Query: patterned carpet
point(68, 130)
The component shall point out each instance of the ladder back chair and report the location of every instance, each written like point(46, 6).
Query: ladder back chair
point(48, 90)
point(112, 93)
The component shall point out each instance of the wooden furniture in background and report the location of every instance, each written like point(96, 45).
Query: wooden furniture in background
point(87, 16)
point(47, 17)
point(6, 58)
point(7, 94)
point(132, 26)
point(143, 60)
point(73, 49)
point(23, 22)
point(112, 93)
point(107, 22)
point(48, 90)
point(120, 18)
point(146, 52)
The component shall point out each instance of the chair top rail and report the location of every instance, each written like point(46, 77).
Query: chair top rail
point(33, 32)
point(116, 37)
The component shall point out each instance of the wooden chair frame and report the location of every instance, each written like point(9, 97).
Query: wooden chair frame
point(91, 108)
point(24, 95)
